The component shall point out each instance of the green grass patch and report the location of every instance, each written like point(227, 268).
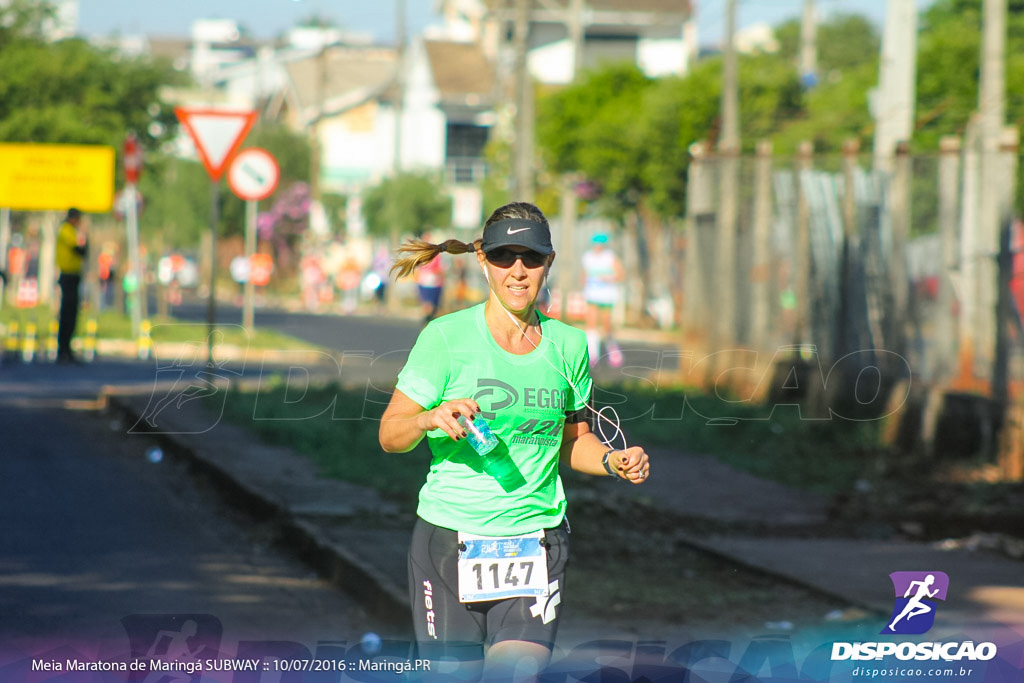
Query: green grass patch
point(115, 325)
point(170, 330)
point(40, 316)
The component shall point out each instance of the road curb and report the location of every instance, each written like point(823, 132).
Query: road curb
point(306, 537)
point(345, 568)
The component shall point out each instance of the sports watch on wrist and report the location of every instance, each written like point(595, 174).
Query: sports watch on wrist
point(607, 467)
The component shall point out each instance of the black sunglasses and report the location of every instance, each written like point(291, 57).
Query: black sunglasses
point(504, 257)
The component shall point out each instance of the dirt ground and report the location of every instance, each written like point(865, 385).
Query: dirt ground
point(649, 579)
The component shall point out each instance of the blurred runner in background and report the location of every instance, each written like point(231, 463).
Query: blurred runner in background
point(602, 273)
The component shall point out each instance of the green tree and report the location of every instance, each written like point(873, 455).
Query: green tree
point(406, 204)
point(316, 21)
point(631, 135)
point(770, 96)
point(676, 112)
point(949, 64)
point(587, 128)
point(836, 109)
point(844, 42)
point(833, 112)
point(949, 55)
point(22, 19)
point(70, 92)
point(176, 200)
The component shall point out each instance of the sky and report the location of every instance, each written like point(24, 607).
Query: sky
point(268, 18)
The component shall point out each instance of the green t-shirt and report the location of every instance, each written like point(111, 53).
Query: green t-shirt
point(524, 400)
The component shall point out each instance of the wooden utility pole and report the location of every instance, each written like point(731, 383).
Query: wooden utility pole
point(762, 266)
point(47, 254)
point(949, 207)
point(316, 147)
point(730, 137)
point(846, 334)
point(574, 25)
point(809, 45)
point(899, 281)
point(699, 203)
point(894, 108)
point(399, 80)
point(995, 193)
point(967, 273)
point(523, 147)
point(802, 258)
point(567, 268)
point(728, 152)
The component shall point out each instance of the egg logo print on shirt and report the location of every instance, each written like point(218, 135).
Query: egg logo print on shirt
point(914, 608)
point(497, 394)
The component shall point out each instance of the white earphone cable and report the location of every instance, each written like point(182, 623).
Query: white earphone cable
point(612, 418)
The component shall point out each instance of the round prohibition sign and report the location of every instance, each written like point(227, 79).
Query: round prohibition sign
point(253, 174)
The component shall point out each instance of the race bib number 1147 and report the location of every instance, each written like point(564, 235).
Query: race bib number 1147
point(497, 567)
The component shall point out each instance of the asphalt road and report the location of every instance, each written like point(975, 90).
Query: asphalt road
point(377, 334)
point(385, 340)
point(101, 545)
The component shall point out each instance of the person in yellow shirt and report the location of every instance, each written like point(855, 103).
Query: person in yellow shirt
point(72, 246)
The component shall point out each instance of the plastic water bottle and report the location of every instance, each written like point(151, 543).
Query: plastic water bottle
point(496, 461)
point(478, 434)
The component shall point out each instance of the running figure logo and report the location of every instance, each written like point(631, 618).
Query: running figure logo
point(913, 611)
point(173, 646)
point(184, 378)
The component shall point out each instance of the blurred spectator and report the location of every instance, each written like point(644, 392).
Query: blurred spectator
point(378, 275)
point(72, 246)
point(105, 269)
point(602, 273)
point(430, 281)
point(347, 279)
point(312, 279)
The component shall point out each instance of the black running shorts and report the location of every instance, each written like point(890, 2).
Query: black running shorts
point(446, 627)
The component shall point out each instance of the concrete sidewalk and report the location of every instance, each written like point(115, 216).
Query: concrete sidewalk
point(788, 536)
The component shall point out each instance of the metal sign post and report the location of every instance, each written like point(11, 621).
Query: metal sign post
point(252, 176)
point(132, 159)
point(5, 240)
point(217, 135)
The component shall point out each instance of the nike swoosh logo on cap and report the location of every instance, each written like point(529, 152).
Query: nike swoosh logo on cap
point(510, 231)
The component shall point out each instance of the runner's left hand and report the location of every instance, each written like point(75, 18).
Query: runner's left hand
point(633, 465)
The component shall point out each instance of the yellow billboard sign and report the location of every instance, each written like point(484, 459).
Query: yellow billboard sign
point(36, 177)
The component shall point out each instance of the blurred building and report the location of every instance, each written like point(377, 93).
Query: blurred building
point(372, 110)
point(658, 36)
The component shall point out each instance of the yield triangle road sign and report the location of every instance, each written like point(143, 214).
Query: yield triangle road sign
point(217, 134)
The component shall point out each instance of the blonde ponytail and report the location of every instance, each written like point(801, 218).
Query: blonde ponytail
point(417, 252)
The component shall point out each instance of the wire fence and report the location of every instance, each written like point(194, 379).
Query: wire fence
point(828, 253)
